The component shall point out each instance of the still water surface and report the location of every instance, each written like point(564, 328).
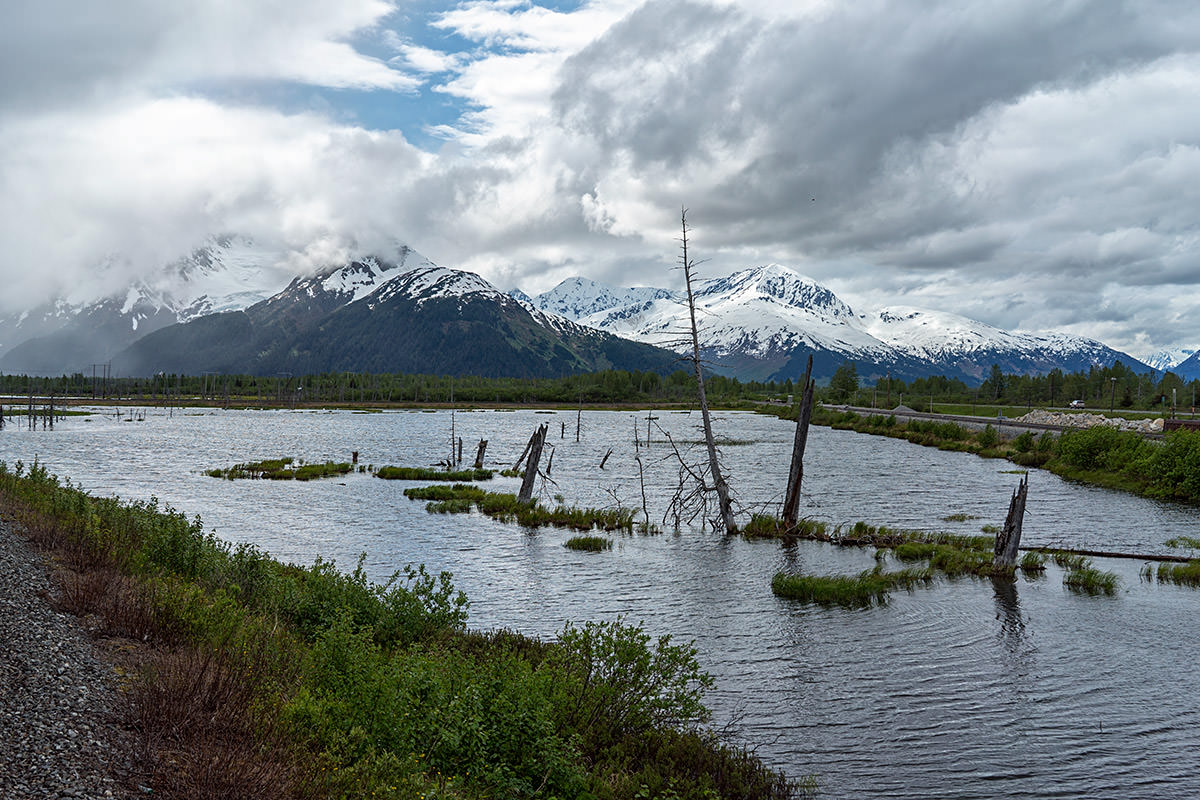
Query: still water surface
point(971, 689)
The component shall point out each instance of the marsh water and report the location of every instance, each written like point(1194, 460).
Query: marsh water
point(968, 689)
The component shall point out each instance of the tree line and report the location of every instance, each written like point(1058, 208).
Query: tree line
point(1098, 388)
point(1116, 386)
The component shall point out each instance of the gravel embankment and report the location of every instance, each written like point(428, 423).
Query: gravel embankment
point(60, 736)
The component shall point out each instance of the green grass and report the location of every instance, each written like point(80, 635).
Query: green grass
point(868, 588)
point(426, 474)
point(1033, 561)
point(281, 469)
point(1187, 574)
point(591, 544)
point(462, 498)
point(1089, 580)
point(765, 526)
point(960, 517)
point(1069, 561)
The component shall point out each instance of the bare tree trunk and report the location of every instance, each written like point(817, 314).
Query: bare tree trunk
point(479, 453)
point(531, 466)
point(1009, 537)
point(714, 465)
point(791, 503)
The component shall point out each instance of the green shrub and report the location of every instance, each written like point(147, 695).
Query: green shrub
point(612, 680)
point(988, 437)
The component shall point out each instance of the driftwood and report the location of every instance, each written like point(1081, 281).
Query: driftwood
point(791, 503)
point(517, 465)
point(1009, 537)
point(606, 455)
point(479, 453)
point(536, 443)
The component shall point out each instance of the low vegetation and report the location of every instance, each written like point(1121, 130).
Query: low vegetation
point(462, 498)
point(281, 469)
point(591, 544)
point(254, 678)
point(426, 474)
point(942, 554)
point(863, 590)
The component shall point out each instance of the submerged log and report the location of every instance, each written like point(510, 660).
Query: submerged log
point(791, 503)
point(1009, 537)
point(606, 455)
point(536, 443)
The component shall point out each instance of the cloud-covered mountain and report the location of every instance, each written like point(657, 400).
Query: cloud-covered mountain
point(228, 273)
point(763, 322)
point(374, 315)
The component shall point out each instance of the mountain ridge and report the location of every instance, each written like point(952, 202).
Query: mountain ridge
point(761, 322)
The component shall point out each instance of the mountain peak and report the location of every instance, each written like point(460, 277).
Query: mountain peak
point(775, 283)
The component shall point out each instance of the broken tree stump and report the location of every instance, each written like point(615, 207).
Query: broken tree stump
point(791, 503)
point(479, 453)
point(531, 466)
point(606, 455)
point(1009, 537)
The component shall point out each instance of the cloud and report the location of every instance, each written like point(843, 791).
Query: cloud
point(1032, 165)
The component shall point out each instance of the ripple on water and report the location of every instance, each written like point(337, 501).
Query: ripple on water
point(968, 689)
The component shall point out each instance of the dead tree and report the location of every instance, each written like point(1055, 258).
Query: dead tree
point(531, 466)
point(791, 503)
point(479, 453)
point(714, 467)
point(1009, 537)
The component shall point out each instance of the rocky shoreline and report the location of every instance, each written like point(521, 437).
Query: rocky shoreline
point(62, 733)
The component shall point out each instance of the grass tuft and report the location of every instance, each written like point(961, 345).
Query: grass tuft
point(426, 474)
point(591, 544)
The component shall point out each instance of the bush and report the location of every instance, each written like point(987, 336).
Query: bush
point(988, 437)
point(612, 682)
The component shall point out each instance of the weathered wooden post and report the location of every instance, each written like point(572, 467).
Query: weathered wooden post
point(479, 453)
point(791, 503)
point(1009, 537)
point(531, 466)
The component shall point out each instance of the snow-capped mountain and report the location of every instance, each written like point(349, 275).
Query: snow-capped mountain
point(374, 315)
point(1164, 360)
point(577, 298)
point(226, 273)
point(1189, 368)
point(763, 322)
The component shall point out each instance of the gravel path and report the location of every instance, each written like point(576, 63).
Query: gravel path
point(59, 732)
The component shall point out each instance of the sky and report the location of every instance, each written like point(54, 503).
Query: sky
point(1032, 165)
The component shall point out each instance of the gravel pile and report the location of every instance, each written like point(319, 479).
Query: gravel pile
point(1085, 420)
point(59, 732)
